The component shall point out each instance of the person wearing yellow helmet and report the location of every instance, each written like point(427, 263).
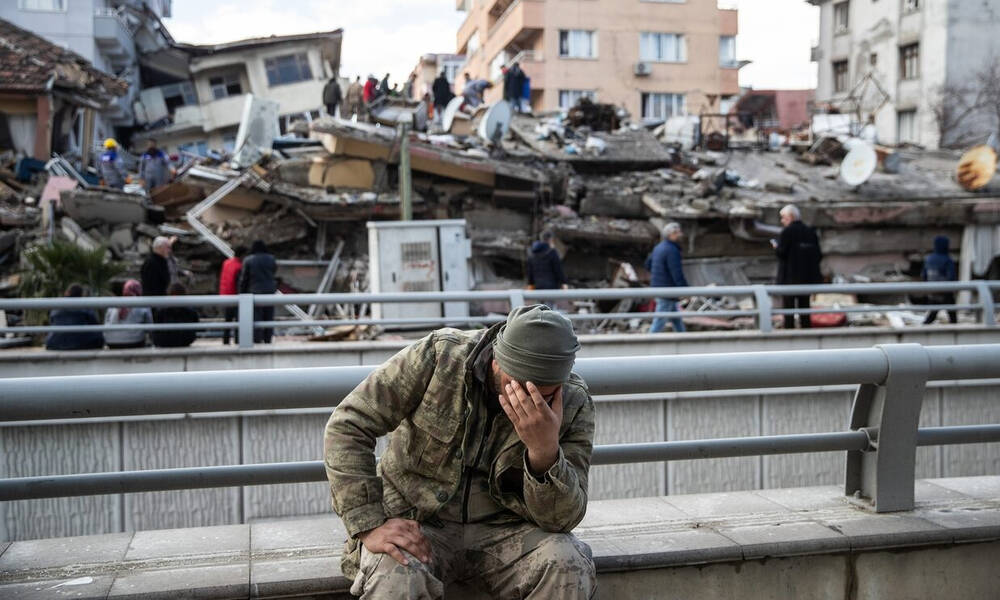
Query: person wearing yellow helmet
point(112, 168)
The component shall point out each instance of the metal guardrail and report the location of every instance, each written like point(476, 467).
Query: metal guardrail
point(881, 441)
point(763, 311)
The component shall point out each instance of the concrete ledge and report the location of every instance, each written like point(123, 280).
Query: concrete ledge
point(638, 544)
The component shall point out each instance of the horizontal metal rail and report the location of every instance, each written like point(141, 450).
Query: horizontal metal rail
point(763, 311)
point(160, 480)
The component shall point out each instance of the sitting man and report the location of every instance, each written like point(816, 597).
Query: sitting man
point(486, 470)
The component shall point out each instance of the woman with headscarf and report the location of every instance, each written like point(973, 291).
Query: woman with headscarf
point(127, 338)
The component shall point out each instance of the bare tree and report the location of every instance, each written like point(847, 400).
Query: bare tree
point(961, 110)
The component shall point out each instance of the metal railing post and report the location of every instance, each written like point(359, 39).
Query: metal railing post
point(882, 477)
point(245, 319)
point(763, 301)
point(986, 301)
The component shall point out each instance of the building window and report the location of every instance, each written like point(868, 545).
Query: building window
point(909, 61)
point(287, 69)
point(450, 69)
point(906, 127)
point(911, 5)
point(178, 94)
point(200, 148)
point(873, 60)
point(727, 51)
point(569, 98)
point(224, 86)
point(840, 17)
point(577, 43)
point(840, 76)
point(42, 5)
point(472, 46)
point(726, 104)
point(662, 47)
point(662, 106)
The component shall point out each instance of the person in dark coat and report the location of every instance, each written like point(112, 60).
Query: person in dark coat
point(383, 86)
point(74, 340)
point(331, 96)
point(667, 271)
point(799, 257)
point(156, 274)
point(545, 271)
point(175, 338)
point(442, 92)
point(258, 277)
point(938, 266)
point(513, 86)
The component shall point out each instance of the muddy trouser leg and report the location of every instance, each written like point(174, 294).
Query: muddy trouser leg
point(380, 576)
point(520, 560)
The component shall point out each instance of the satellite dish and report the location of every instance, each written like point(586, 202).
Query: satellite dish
point(449, 112)
point(977, 167)
point(859, 164)
point(498, 115)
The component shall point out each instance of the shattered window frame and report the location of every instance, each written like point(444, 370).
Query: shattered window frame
point(909, 61)
point(656, 46)
point(840, 75)
point(287, 69)
point(662, 105)
point(571, 43)
point(569, 98)
point(222, 85)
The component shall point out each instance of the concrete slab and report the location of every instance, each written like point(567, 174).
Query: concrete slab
point(927, 493)
point(966, 571)
point(707, 506)
point(695, 546)
point(327, 533)
point(221, 581)
point(302, 576)
point(785, 539)
point(53, 553)
point(967, 523)
point(807, 498)
point(229, 540)
point(983, 488)
point(616, 513)
point(80, 588)
point(872, 531)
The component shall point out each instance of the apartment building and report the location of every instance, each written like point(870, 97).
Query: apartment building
point(656, 58)
point(197, 99)
point(916, 50)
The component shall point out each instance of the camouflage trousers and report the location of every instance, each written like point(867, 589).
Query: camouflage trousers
point(513, 560)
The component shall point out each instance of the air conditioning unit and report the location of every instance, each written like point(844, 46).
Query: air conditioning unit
point(642, 69)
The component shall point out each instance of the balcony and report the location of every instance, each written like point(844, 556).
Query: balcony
point(224, 112)
point(112, 35)
point(522, 20)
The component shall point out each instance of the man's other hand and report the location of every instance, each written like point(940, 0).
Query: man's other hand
point(396, 535)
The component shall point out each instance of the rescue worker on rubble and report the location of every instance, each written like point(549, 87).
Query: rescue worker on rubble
point(473, 92)
point(112, 167)
point(154, 166)
point(441, 89)
point(353, 99)
point(331, 96)
point(486, 470)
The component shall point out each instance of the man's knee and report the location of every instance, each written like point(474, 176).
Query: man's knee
point(380, 576)
point(562, 559)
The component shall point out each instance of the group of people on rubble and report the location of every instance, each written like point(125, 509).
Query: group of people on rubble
point(154, 166)
point(160, 276)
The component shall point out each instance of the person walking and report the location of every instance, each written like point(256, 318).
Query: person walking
point(127, 338)
point(368, 91)
point(939, 267)
point(157, 272)
point(258, 277)
point(545, 270)
point(229, 279)
point(331, 96)
point(154, 166)
point(485, 475)
point(799, 256)
point(353, 98)
point(667, 271)
point(112, 166)
point(441, 89)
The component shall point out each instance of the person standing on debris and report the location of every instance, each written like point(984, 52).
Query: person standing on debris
point(513, 86)
point(74, 340)
point(486, 471)
point(331, 96)
point(229, 280)
point(154, 166)
point(112, 167)
point(408, 86)
point(939, 267)
point(369, 90)
point(667, 271)
point(353, 99)
point(130, 338)
point(799, 257)
point(257, 277)
point(473, 92)
point(156, 273)
point(442, 92)
point(545, 270)
point(175, 338)
point(383, 86)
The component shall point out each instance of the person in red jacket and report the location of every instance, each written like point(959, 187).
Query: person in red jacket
point(368, 92)
point(228, 279)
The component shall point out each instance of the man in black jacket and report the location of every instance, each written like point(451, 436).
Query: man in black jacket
point(545, 270)
point(156, 273)
point(331, 96)
point(442, 93)
point(799, 256)
point(257, 277)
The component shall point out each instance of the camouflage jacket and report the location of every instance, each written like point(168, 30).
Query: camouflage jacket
point(424, 396)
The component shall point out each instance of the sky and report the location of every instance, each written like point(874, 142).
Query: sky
point(390, 35)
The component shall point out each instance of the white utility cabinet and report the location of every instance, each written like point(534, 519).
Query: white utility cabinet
point(419, 256)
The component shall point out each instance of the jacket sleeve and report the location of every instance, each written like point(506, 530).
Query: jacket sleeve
point(373, 409)
point(558, 500)
point(783, 243)
point(676, 268)
point(557, 268)
point(243, 278)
